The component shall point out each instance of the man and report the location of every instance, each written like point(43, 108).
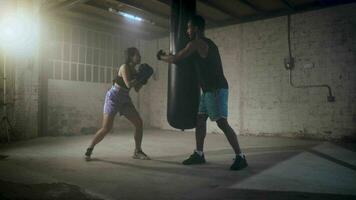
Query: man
point(213, 100)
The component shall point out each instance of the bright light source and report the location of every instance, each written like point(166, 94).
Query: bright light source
point(8, 32)
point(18, 34)
point(129, 16)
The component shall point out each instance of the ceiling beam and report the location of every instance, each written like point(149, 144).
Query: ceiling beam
point(156, 20)
point(93, 22)
point(266, 15)
point(249, 4)
point(106, 15)
point(210, 21)
point(142, 8)
point(167, 2)
point(54, 6)
point(213, 4)
point(288, 4)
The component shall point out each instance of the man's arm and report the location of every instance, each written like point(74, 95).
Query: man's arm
point(187, 51)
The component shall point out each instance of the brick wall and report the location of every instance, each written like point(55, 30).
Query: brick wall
point(81, 65)
point(81, 62)
point(261, 100)
point(22, 72)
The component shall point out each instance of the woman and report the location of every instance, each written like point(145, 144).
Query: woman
point(117, 100)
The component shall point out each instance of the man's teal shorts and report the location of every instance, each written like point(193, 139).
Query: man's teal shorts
point(214, 104)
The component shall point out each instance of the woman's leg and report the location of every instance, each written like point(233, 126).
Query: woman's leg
point(106, 127)
point(100, 134)
point(133, 116)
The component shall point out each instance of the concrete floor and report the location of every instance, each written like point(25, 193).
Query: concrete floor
point(279, 168)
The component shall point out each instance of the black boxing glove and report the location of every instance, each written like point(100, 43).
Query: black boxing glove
point(144, 73)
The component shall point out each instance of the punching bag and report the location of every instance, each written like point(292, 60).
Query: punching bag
point(183, 87)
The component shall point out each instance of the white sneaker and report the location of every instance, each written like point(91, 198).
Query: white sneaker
point(140, 155)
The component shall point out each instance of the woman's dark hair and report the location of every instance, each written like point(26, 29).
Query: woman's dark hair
point(129, 53)
point(198, 21)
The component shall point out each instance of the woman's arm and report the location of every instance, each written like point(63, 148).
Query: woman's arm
point(127, 77)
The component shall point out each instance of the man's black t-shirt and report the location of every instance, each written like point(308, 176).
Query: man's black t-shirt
point(209, 69)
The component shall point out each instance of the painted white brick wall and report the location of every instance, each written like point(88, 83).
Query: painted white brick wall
point(77, 107)
point(157, 86)
point(26, 99)
point(261, 100)
point(22, 80)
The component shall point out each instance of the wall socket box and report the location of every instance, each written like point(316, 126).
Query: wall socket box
point(289, 63)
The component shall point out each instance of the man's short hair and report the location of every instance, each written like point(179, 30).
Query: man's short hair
point(198, 21)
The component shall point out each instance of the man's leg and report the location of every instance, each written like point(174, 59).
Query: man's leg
point(200, 131)
point(218, 110)
point(240, 160)
point(230, 134)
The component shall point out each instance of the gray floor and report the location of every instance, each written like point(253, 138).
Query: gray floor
point(280, 168)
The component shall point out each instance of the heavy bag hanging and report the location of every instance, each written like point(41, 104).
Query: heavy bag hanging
point(183, 88)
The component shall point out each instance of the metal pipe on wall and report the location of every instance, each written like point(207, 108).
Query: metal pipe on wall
point(289, 65)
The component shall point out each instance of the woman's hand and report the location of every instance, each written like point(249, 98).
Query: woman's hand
point(138, 87)
point(134, 82)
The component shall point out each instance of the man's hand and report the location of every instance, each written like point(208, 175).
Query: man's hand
point(191, 47)
point(160, 53)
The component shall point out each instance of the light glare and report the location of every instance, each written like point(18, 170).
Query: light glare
point(18, 34)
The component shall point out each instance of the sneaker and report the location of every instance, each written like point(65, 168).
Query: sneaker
point(88, 153)
point(239, 163)
point(140, 155)
point(195, 158)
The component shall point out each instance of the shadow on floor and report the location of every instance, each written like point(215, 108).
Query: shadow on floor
point(246, 194)
point(43, 191)
point(211, 170)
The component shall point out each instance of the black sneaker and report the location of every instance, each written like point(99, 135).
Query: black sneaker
point(195, 158)
point(88, 153)
point(239, 163)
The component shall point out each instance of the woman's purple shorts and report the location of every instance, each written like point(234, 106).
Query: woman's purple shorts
point(116, 100)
